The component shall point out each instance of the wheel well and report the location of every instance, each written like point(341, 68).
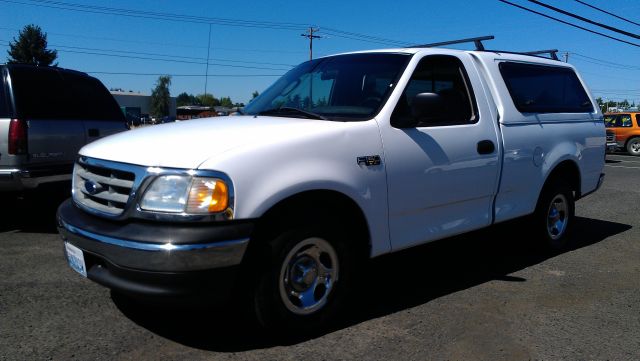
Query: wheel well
point(630, 139)
point(311, 208)
point(566, 171)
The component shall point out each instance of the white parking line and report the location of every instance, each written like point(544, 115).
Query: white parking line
point(620, 166)
point(626, 161)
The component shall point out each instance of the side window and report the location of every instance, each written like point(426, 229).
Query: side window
point(92, 101)
point(638, 120)
point(609, 121)
point(39, 93)
point(4, 104)
point(625, 120)
point(446, 77)
point(545, 89)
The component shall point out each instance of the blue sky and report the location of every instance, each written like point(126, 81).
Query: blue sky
point(275, 49)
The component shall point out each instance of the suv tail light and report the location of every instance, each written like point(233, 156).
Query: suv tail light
point(17, 137)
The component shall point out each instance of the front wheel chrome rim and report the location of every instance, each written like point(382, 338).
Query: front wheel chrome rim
point(308, 276)
point(557, 216)
point(635, 147)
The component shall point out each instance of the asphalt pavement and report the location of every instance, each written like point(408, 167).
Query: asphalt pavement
point(488, 295)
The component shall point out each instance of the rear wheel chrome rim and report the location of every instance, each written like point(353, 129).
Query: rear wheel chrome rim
point(308, 275)
point(635, 146)
point(557, 216)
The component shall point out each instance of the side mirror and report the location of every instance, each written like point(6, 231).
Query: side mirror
point(428, 106)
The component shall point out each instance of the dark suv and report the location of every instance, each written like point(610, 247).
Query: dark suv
point(46, 115)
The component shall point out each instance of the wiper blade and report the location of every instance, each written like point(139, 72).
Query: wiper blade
point(291, 110)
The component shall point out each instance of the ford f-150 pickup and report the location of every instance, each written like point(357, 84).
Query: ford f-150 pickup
point(344, 158)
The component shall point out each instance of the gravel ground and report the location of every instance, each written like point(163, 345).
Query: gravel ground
point(488, 295)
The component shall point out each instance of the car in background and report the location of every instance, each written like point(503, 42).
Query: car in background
point(626, 129)
point(46, 115)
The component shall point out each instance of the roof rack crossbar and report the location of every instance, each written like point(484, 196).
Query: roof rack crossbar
point(553, 53)
point(477, 41)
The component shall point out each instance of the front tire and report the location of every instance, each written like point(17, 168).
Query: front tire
point(633, 147)
point(304, 282)
point(554, 215)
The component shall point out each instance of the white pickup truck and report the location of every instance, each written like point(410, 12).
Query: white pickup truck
point(344, 158)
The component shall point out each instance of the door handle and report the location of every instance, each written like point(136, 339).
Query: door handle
point(486, 147)
point(93, 132)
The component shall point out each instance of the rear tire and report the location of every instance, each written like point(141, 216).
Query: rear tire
point(302, 286)
point(633, 146)
point(554, 216)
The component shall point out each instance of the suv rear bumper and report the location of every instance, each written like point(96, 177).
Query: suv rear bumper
point(16, 179)
point(145, 258)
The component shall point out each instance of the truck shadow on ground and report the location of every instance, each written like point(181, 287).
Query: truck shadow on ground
point(390, 283)
point(33, 211)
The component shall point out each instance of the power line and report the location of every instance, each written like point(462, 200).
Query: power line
point(84, 8)
point(365, 36)
point(56, 46)
point(607, 63)
point(199, 19)
point(183, 75)
point(167, 60)
point(608, 13)
point(570, 24)
point(145, 42)
point(604, 26)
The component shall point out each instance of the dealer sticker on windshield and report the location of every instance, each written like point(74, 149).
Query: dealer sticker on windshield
point(75, 258)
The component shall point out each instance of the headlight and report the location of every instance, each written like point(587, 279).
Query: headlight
point(178, 193)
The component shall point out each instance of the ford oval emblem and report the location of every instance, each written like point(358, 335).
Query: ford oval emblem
point(92, 187)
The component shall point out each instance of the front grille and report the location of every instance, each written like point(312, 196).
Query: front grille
point(103, 189)
point(611, 136)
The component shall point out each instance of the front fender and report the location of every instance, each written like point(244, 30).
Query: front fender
point(265, 174)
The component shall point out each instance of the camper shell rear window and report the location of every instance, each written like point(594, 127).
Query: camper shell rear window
point(545, 89)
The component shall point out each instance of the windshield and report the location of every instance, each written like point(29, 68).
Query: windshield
point(342, 87)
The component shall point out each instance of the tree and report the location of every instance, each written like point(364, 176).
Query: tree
point(31, 48)
point(208, 100)
point(226, 102)
point(187, 99)
point(160, 97)
point(254, 95)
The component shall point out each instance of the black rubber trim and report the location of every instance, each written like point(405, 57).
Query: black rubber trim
point(155, 232)
point(211, 283)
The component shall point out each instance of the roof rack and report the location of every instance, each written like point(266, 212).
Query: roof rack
point(477, 41)
point(553, 53)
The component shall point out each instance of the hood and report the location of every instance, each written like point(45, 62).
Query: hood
point(189, 143)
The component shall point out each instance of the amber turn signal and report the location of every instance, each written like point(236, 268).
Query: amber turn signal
point(208, 195)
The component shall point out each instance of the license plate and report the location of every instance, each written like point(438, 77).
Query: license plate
point(75, 258)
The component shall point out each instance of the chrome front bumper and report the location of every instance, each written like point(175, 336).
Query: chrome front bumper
point(154, 247)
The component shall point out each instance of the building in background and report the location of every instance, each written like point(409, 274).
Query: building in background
point(140, 104)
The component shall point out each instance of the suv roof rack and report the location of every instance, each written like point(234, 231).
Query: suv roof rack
point(477, 41)
point(553, 53)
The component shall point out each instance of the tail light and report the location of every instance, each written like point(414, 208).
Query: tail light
point(17, 137)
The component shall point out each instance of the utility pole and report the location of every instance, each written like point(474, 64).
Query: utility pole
point(566, 57)
point(309, 35)
point(206, 74)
